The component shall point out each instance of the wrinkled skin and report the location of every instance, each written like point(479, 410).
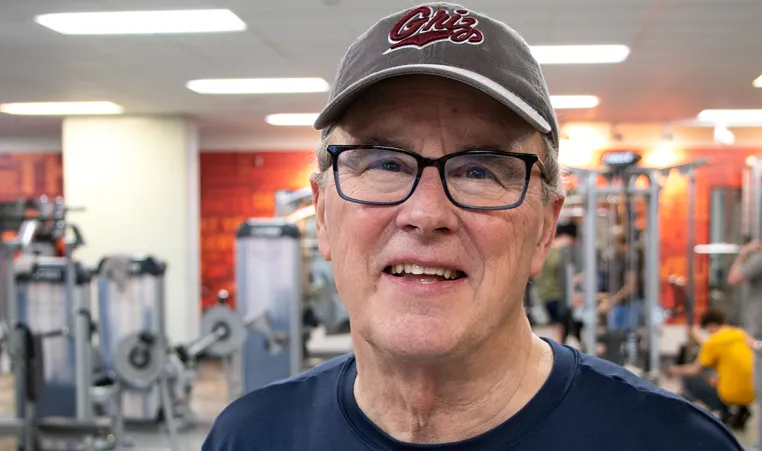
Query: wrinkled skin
point(498, 250)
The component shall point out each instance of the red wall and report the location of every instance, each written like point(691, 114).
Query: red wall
point(30, 175)
point(236, 186)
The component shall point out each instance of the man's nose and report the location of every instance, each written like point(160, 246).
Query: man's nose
point(428, 210)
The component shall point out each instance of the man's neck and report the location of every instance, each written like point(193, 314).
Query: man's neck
point(452, 402)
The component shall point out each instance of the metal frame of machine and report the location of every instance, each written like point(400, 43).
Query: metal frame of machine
point(590, 191)
point(26, 347)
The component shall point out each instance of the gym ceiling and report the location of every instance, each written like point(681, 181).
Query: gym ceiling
point(685, 56)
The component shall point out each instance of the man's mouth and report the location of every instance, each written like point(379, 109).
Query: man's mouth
point(424, 273)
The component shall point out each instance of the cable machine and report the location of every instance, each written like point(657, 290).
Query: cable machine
point(618, 178)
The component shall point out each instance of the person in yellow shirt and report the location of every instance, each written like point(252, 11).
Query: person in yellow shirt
point(729, 352)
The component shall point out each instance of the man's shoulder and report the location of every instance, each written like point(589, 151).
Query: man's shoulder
point(293, 389)
point(622, 395)
point(259, 411)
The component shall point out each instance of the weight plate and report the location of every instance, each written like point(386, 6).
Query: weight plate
point(139, 363)
point(225, 319)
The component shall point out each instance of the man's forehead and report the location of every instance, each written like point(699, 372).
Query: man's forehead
point(404, 108)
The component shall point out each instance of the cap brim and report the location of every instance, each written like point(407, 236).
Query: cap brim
point(333, 111)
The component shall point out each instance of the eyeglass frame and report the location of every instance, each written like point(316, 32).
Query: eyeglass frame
point(529, 160)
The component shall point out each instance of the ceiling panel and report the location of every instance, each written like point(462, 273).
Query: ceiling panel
point(686, 55)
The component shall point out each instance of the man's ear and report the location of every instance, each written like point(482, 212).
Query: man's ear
point(318, 199)
point(545, 236)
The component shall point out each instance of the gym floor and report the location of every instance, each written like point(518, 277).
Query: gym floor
point(210, 397)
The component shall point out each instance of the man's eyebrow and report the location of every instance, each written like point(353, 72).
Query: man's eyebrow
point(378, 141)
point(490, 147)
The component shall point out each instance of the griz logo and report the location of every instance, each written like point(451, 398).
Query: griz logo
point(421, 27)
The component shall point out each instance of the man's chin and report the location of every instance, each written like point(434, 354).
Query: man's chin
point(420, 343)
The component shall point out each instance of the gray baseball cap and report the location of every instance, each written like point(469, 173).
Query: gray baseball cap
point(446, 40)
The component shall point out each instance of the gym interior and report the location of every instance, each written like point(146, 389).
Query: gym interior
point(159, 255)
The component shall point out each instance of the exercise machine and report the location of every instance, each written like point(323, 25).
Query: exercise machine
point(269, 285)
point(322, 304)
point(50, 328)
point(620, 177)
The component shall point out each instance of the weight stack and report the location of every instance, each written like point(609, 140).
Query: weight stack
point(269, 281)
point(131, 300)
point(45, 307)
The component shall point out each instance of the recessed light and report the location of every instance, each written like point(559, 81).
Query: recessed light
point(758, 82)
point(580, 54)
point(567, 102)
point(61, 108)
point(294, 119)
point(730, 117)
point(143, 22)
point(258, 85)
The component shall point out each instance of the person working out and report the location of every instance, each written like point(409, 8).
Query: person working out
point(626, 288)
point(551, 283)
point(728, 351)
point(436, 199)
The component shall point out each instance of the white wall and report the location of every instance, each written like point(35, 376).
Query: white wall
point(138, 179)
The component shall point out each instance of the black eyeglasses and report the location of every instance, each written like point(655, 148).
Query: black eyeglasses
point(473, 179)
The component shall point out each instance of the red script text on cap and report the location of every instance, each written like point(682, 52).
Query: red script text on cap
point(421, 27)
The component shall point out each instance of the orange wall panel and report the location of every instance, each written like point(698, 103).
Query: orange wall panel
point(236, 186)
point(30, 175)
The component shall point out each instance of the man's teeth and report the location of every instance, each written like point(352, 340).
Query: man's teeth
point(416, 269)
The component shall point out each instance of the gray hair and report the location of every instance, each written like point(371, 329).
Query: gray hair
point(552, 189)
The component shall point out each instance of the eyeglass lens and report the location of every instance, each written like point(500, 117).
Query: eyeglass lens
point(382, 175)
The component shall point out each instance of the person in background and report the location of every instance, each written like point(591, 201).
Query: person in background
point(551, 282)
point(747, 269)
point(626, 288)
point(728, 351)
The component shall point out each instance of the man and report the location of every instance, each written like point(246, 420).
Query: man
point(746, 273)
point(626, 286)
point(747, 269)
point(437, 198)
point(727, 351)
point(551, 283)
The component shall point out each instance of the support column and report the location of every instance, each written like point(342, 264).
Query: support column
point(137, 178)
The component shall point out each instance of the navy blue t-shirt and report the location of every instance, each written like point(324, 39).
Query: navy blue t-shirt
point(586, 404)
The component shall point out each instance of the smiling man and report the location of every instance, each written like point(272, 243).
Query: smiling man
point(437, 198)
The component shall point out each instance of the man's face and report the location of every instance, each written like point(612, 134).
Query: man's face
point(492, 253)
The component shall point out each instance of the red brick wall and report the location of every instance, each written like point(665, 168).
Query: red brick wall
point(30, 175)
point(236, 186)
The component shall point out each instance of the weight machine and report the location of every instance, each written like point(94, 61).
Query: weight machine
point(47, 316)
point(268, 276)
point(322, 304)
point(619, 178)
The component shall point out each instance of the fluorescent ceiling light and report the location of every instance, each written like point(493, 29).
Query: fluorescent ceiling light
point(565, 102)
point(731, 116)
point(259, 86)
point(758, 82)
point(299, 119)
point(143, 22)
point(61, 108)
point(580, 54)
